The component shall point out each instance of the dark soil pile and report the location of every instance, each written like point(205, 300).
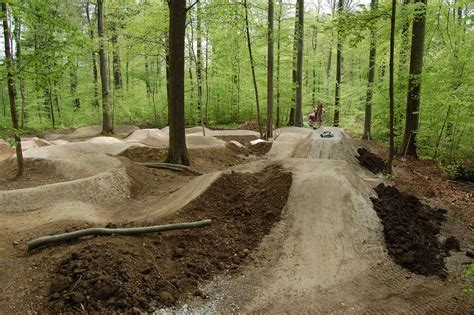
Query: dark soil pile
point(371, 161)
point(138, 274)
point(250, 125)
point(204, 160)
point(261, 148)
point(37, 172)
point(410, 230)
point(245, 140)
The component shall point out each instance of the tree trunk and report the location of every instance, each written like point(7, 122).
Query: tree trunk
point(19, 71)
point(269, 133)
point(370, 79)
point(414, 81)
point(280, 5)
point(73, 78)
point(95, 75)
point(116, 60)
point(391, 87)
point(177, 153)
point(252, 65)
point(294, 66)
point(199, 64)
point(107, 127)
point(299, 66)
point(11, 90)
point(337, 100)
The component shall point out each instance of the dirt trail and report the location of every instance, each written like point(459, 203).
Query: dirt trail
point(326, 254)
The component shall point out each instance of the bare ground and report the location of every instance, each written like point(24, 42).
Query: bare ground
point(326, 255)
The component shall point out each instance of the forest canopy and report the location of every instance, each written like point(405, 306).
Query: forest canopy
point(55, 49)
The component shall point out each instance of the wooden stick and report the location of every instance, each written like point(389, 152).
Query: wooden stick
point(118, 231)
point(170, 166)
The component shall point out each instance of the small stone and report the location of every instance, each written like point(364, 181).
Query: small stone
point(59, 284)
point(16, 242)
point(178, 252)
point(167, 298)
point(77, 297)
point(236, 260)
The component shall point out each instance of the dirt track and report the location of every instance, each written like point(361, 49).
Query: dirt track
point(326, 254)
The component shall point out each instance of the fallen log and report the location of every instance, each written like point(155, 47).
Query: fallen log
point(173, 167)
point(45, 240)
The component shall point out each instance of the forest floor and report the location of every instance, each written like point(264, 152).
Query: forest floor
point(297, 226)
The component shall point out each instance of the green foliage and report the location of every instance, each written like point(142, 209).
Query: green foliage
point(468, 276)
point(57, 41)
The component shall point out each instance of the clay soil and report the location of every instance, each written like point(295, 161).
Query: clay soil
point(136, 274)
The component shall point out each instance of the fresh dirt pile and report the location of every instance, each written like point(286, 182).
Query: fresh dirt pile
point(261, 148)
point(126, 274)
point(37, 172)
point(245, 140)
point(250, 125)
point(410, 231)
point(371, 161)
point(204, 160)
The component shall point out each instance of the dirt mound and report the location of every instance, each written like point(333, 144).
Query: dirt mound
point(371, 161)
point(125, 274)
point(410, 231)
point(204, 160)
point(37, 172)
point(261, 148)
point(250, 125)
point(245, 140)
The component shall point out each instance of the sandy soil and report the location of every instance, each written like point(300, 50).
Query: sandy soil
point(325, 255)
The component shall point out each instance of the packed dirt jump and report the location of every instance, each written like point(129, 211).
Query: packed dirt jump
point(298, 226)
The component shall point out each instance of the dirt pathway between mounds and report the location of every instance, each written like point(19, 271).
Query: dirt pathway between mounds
point(294, 232)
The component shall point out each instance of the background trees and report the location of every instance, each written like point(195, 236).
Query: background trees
point(57, 66)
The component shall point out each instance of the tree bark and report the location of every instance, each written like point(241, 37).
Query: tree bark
point(299, 66)
point(370, 79)
point(177, 153)
point(95, 75)
point(199, 64)
point(409, 146)
point(337, 101)
point(73, 78)
point(269, 133)
point(116, 59)
point(391, 87)
point(21, 79)
point(252, 65)
point(107, 127)
point(280, 5)
point(11, 90)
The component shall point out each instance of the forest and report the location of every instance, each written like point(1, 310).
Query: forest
point(236, 157)
point(345, 64)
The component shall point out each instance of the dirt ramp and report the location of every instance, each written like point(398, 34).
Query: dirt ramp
point(104, 187)
point(289, 140)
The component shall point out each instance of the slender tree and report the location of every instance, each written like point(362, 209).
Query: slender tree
point(278, 111)
point(19, 63)
point(107, 127)
point(370, 78)
point(177, 153)
point(269, 133)
point(299, 66)
point(414, 81)
point(95, 76)
point(337, 101)
point(391, 87)
point(199, 63)
point(11, 89)
point(252, 65)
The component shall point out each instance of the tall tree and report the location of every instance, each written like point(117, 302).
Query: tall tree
point(370, 78)
point(177, 153)
point(107, 127)
point(199, 63)
point(11, 89)
point(337, 101)
point(90, 26)
point(299, 66)
point(269, 133)
point(21, 78)
point(414, 81)
point(391, 87)
point(280, 9)
point(252, 66)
